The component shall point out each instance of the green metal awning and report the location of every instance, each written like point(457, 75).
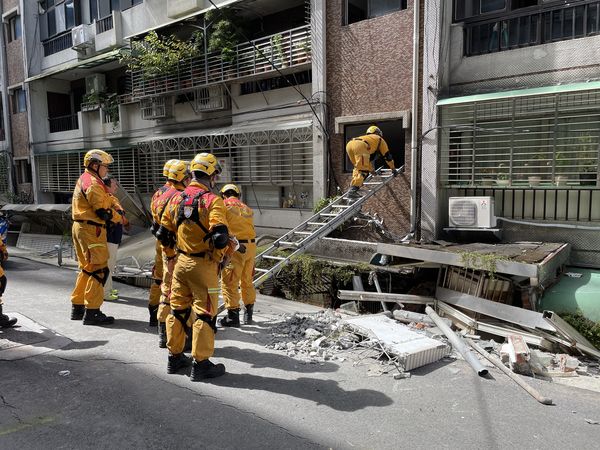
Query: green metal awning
point(83, 64)
point(573, 87)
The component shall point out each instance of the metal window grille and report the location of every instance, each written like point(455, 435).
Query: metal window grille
point(4, 168)
point(510, 140)
point(104, 25)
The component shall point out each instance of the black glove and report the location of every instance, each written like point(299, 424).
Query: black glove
point(242, 249)
point(104, 214)
point(166, 237)
point(396, 172)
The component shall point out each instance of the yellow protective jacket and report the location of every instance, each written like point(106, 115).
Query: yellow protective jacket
point(90, 195)
point(160, 199)
point(240, 219)
point(118, 215)
point(376, 144)
point(180, 218)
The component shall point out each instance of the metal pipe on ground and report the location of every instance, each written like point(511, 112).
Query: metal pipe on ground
point(409, 316)
point(495, 361)
point(457, 343)
point(373, 276)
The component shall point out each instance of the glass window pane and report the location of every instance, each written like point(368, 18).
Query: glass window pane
point(381, 7)
point(568, 23)
point(504, 35)
point(70, 15)
point(492, 5)
point(21, 100)
point(579, 12)
point(557, 24)
point(17, 27)
point(523, 30)
point(60, 18)
point(547, 27)
point(357, 10)
point(51, 22)
point(518, 4)
point(533, 29)
point(592, 19)
point(93, 10)
point(514, 32)
point(459, 9)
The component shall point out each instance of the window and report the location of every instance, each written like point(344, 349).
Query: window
point(19, 104)
point(488, 6)
point(58, 16)
point(13, 28)
point(357, 10)
point(23, 171)
point(393, 133)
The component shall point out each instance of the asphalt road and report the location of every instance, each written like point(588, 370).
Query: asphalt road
point(117, 393)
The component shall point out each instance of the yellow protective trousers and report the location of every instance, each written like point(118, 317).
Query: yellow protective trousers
point(195, 284)
point(164, 309)
point(358, 152)
point(92, 255)
point(157, 276)
point(239, 273)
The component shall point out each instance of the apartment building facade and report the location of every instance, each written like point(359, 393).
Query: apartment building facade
point(512, 111)
point(256, 109)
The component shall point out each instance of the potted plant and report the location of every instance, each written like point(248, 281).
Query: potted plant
point(502, 178)
point(277, 44)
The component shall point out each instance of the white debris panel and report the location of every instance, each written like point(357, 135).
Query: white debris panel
point(413, 349)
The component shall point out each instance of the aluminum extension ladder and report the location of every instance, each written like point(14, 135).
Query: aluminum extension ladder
point(298, 240)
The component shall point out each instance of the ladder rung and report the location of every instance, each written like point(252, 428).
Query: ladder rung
point(316, 223)
point(261, 270)
point(305, 233)
point(329, 215)
point(340, 206)
point(278, 258)
point(293, 244)
point(372, 183)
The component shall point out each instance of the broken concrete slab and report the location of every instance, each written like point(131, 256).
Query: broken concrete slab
point(413, 349)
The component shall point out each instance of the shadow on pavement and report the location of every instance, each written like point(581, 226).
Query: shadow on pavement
point(266, 359)
point(139, 326)
point(322, 392)
point(84, 345)
point(133, 301)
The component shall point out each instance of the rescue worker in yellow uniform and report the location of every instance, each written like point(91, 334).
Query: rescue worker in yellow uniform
point(157, 269)
point(178, 177)
point(239, 273)
point(91, 210)
point(362, 151)
point(5, 321)
point(196, 222)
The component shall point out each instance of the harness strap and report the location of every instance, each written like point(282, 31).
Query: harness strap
point(105, 271)
point(211, 321)
point(196, 255)
point(91, 222)
point(183, 315)
point(246, 241)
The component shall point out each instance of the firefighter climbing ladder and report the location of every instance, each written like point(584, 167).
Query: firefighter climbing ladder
point(298, 240)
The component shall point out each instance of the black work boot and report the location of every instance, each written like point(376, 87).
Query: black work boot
point(232, 319)
point(177, 362)
point(162, 335)
point(5, 321)
point(153, 310)
point(77, 312)
point(353, 192)
point(97, 317)
point(206, 369)
point(248, 314)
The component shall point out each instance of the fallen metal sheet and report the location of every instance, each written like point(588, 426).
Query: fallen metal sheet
point(571, 334)
point(507, 313)
point(385, 297)
point(464, 321)
point(413, 349)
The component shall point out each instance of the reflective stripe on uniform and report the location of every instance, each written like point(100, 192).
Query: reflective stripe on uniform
point(96, 245)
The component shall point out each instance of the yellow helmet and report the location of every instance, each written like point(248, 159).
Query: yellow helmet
point(205, 163)
point(374, 130)
point(167, 166)
point(97, 156)
point(178, 171)
point(230, 187)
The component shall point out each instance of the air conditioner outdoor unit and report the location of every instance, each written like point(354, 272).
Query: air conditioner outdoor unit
point(95, 83)
point(471, 212)
point(156, 108)
point(210, 98)
point(82, 36)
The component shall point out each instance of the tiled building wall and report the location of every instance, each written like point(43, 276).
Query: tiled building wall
point(369, 70)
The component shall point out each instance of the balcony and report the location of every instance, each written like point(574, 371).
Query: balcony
point(285, 50)
point(58, 44)
point(109, 32)
point(63, 123)
point(103, 25)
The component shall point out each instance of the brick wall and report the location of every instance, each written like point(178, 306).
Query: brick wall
point(20, 140)
point(369, 70)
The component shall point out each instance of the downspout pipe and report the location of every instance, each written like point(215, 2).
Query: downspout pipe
point(414, 139)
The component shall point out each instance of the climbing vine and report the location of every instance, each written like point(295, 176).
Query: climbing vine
point(482, 261)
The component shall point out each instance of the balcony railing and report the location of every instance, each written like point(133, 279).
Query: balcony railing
point(103, 25)
point(63, 123)
point(58, 44)
point(290, 48)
